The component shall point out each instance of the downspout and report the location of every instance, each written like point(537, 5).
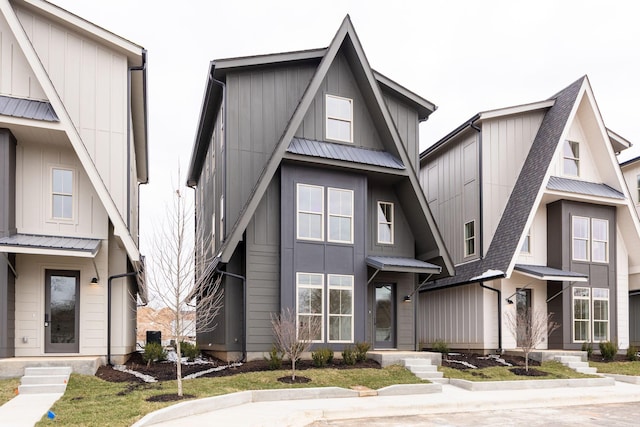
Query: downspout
point(244, 309)
point(480, 205)
point(116, 276)
point(499, 295)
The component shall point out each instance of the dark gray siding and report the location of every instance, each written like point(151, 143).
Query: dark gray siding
point(601, 275)
point(7, 227)
point(634, 320)
point(340, 81)
point(404, 243)
point(263, 269)
point(259, 105)
point(323, 257)
point(406, 120)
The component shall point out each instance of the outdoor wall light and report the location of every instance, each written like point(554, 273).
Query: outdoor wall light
point(94, 281)
point(407, 298)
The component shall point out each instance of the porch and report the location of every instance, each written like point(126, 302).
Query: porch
point(85, 365)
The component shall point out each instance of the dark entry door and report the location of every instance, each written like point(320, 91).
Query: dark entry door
point(62, 309)
point(384, 320)
point(523, 305)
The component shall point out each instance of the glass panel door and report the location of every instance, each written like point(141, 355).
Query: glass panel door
point(523, 305)
point(62, 292)
point(384, 316)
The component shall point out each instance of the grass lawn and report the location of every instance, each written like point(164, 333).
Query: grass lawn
point(90, 401)
point(8, 389)
point(555, 370)
point(621, 368)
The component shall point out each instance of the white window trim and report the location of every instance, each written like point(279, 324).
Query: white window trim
point(576, 159)
point(527, 237)
point(329, 215)
point(466, 239)
point(587, 239)
point(391, 223)
point(321, 213)
point(329, 315)
point(340, 119)
point(606, 242)
point(593, 320)
point(573, 314)
point(322, 299)
point(73, 194)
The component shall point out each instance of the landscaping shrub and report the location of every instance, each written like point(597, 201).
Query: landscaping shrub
point(154, 352)
point(608, 350)
point(361, 351)
point(588, 347)
point(440, 346)
point(274, 359)
point(632, 354)
point(349, 356)
point(188, 350)
point(322, 356)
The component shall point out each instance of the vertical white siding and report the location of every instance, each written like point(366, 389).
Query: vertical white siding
point(538, 239)
point(588, 165)
point(622, 292)
point(92, 82)
point(538, 305)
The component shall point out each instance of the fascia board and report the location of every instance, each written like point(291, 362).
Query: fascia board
point(46, 251)
point(120, 228)
point(8, 121)
point(518, 109)
point(619, 139)
point(405, 93)
point(586, 197)
point(274, 58)
point(554, 278)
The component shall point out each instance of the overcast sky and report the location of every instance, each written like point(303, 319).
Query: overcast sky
point(464, 56)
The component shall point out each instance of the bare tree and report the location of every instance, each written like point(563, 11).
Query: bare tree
point(173, 280)
point(293, 338)
point(530, 328)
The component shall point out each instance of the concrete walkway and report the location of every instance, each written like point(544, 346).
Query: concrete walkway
point(25, 410)
point(302, 412)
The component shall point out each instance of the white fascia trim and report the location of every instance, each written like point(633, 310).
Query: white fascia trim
point(120, 227)
point(517, 109)
point(554, 278)
point(586, 197)
point(46, 251)
point(619, 139)
point(30, 123)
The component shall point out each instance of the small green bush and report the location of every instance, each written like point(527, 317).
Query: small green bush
point(588, 347)
point(632, 354)
point(188, 350)
point(274, 359)
point(349, 356)
point(322, 356)
point(440, 346)
point(608, 350)
point(361, 351)
point(154, 352)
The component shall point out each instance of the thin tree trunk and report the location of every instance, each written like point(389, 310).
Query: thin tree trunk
point(179, 368)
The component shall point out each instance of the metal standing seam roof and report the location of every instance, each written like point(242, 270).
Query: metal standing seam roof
point(328, 150)
point(583, 187)
point(27, 108)
point(549, 273)
point(400, 264)
point(74, 244)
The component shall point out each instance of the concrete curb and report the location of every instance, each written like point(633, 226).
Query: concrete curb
point(530, 384)
point(301, 394)
point(631, 379)
point(403, 389)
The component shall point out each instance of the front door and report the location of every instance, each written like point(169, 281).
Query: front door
point(384, 317)
point(523, 307)
point(61, 312)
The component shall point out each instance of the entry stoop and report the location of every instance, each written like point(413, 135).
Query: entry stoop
point(576, 363)
point(44, 380)
point(423, 369)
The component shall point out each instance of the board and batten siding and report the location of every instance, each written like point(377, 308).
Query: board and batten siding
point(403, 240)
point(450, 180)
point(259, 105)
point(506, 142)
point(406, 120)
point(33, 194)
point(455, 315)
point(91, 80)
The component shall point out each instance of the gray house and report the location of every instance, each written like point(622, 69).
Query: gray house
point(534, 208)
point(305, 170)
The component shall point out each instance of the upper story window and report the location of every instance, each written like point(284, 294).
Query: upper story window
point(526, 243)
point(469, 238)
point(580, 238)
point(385, 223)
point(571, 158)
point(590, 239)
point(600, 240)
point(340, 215)
point(62, 193)
point(339, 113)
point(310, 212)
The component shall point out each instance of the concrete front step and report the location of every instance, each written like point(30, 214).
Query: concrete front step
point(422, 368)
point(41, 388)
point(568, 359)
point(44, 380)
point(576, 363)
point(47, 370)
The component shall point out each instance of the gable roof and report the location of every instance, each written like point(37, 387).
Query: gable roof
point(120, 228)
point(523, 197)
point(345, 38)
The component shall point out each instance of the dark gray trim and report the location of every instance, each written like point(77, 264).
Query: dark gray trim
point(402, 265)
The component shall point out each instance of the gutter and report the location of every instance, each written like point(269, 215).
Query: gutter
point(447, 137)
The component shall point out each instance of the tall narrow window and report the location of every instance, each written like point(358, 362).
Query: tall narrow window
point(600, 314)
point(385, 223)
point(580, 238)
point(638, 189)
point(581, 314)
point(571, 158)
point(310, 205)
point(340, 308)
point(469, 238)
point(339, 118)
point(310, 301)
point(599, 240)
point(62, 193)
point(526, 243)
point(340, 215)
